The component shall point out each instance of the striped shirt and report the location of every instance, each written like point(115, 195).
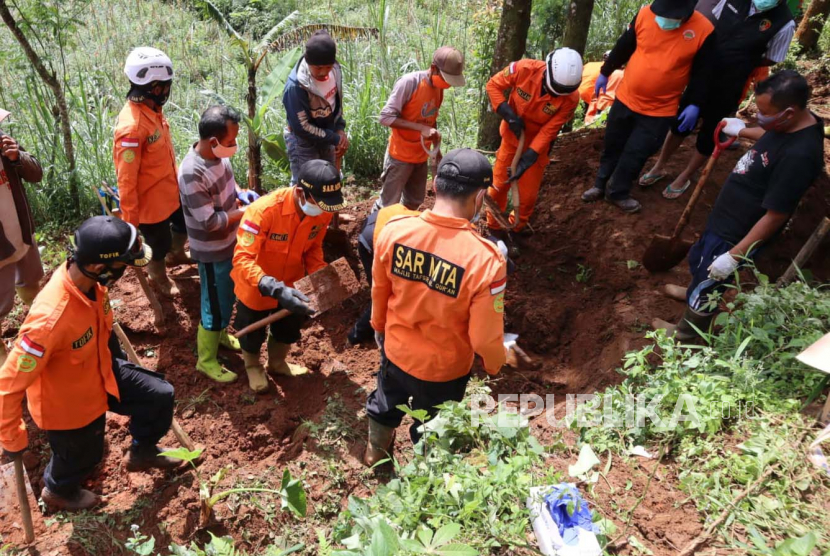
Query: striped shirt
point(778, 45)
point(208, 193)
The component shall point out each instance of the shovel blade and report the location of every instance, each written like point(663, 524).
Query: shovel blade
point(664, 254)
point(329, 286)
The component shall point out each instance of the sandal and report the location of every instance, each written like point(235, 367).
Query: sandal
point(670, 193)
point(647, 180)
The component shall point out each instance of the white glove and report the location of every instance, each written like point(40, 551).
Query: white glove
point(733, 126)
point(722, 267)
point(510, 341)
point(502, 247)
point(379, 337)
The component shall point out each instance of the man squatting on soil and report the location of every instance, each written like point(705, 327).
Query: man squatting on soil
point(437, 286)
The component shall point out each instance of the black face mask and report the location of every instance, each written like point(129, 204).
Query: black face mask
point(138, 93)
point(106, 278)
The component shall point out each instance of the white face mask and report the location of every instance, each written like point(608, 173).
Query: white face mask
point(221, 151)
point(310, 209)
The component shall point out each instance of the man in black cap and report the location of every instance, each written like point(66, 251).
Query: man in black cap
point(279, 241)
point(667, 48)
point(313, 100)
point(437, 301)
point(68, 364)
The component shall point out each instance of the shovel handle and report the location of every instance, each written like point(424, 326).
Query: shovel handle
point(274, 317)
point(436, 146)
point(687, 212)
point(23, 500)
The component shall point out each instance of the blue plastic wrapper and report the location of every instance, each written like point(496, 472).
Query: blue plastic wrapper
point(557, 502)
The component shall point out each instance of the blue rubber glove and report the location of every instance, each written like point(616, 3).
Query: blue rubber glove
point(601, 85)
point(688, 118)
point(247, 196)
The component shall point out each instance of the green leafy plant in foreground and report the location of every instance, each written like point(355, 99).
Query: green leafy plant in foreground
point(291, 493)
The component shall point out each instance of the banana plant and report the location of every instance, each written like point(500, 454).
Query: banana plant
point(280, 38)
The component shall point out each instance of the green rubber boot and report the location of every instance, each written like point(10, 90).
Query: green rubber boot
point(228, 341)
point(207, 343)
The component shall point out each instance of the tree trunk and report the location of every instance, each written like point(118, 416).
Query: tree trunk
point(812, 24)
point(577, 25)
point(510, 46)
point(52, 82)
point(254, 146)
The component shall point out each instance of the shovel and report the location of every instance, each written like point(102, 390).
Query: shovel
point(13, 477)
point(493, 207)
point(664, 253)
point(326, 288)
point(435, 156)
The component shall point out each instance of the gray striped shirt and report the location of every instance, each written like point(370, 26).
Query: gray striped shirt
point(208, 193)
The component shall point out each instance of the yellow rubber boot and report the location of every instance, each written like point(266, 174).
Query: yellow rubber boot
point(277, 365)
point(27, 294)
point(207, 342)
point(228, 341)
point(257, 379)
point(177, 254)
point(157, 273)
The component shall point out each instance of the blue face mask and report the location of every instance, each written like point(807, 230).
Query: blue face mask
point(764, 5)
point(667, 24)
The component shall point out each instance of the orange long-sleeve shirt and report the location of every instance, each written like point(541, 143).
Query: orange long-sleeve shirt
point(521, 85)
point(61, 361)
point(145, 165)
point(438, 296)
point(273, 240)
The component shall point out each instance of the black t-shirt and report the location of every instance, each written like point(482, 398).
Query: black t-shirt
point(773, 175)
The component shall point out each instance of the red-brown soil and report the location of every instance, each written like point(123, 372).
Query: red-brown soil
point(576, 331)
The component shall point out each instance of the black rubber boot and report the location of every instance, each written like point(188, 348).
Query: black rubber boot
point(141, 459)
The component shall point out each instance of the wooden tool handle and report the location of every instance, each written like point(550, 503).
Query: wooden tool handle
point(23, 500)
point(806, 251)
point(687, 212)
point(274, 317)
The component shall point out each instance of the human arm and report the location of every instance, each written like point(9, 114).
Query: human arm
point(763, 230)
point(549, 131)
point(623, 50)
point(390, 115)
point(779, 45)
point(127, 153)
point(486, 324)
point(250, 241)
point(735, 127)
point(26, 165)
point(702, 76)
point(499, 86)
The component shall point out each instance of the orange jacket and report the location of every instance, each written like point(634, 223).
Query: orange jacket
point(61, 361)
point(521, 85)
point(145, 165)
point(590, 72)
point(605, 99)
point(388, 213)
point(438, 296)
point(273, 241)
point(661, 66)
point(414, 99)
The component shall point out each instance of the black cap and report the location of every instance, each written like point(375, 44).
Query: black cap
point(320, 50)
point(673, 9)
point(321, 180)
point(468, 167)
point(107, 239)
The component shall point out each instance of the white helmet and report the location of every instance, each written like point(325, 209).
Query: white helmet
point(563, 71)
point(145, 65)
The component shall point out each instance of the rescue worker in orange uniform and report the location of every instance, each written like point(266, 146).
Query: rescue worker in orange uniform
point(437, 300)
point(597, 103)
point(279, 241)
point(69, 366)
point(667, 47)
point(145, 164)
point(412, 113)
point(538, 98)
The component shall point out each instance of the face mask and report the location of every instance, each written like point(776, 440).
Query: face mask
point(439, 82)
point(310, 209)
point(764, 5)
point(774, 122)
point(667, 24)
point(221, 151)
point(138, 93)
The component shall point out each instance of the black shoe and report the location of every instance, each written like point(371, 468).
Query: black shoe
point(593, 194)
point(628, 205)
point(142, 459)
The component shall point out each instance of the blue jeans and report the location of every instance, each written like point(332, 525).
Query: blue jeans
point(217, 294)
point(301, 151)
point(702, 254)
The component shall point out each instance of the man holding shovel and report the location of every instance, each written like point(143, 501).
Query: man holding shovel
point(750, 34)
point(437, 300)
point(279, 241)
point(535, 98)
point(69, 365)
point(412, 113)
point(757, 199)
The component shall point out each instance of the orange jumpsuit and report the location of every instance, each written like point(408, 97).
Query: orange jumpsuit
point(61, 361)
point(145, 165)
point(521, 85)
point(273, 241)
point(438, 296)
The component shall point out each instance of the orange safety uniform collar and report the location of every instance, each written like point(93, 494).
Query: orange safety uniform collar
point(61, 361)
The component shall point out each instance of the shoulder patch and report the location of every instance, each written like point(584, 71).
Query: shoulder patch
point(26, 363)
point(130, 142)
point(31, 347)
point(83, 340)
point(498, 286)
point(128, 156)
point(250, 227)
point(436, 273)
point(247, 239)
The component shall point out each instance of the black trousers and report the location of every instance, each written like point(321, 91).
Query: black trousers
point(145, 396)
point(284, 331)
point(396, 387)
point(630, 139)
point(363, 326)
point(158, 235)
point(720, 104)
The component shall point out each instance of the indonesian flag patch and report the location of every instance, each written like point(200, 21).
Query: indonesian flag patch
point(250, 227)
point(32, 348)
point(498, 286)
point(129, 142)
